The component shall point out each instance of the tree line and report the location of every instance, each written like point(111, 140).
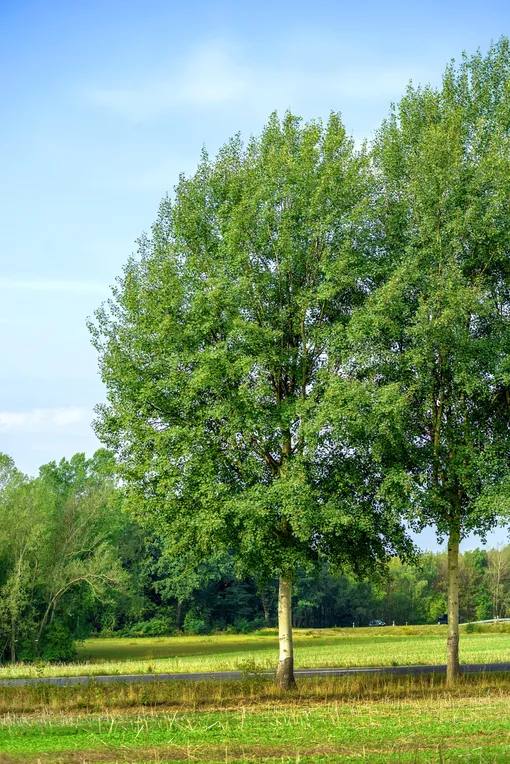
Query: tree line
point(74, 564)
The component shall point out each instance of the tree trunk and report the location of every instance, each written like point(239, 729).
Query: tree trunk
point(178, 613)
point(13, 639)
point(265, 607)
point(452, 653)
point(285, 671)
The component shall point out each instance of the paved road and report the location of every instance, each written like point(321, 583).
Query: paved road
point(467, 668)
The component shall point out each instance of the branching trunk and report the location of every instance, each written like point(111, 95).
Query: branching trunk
point(452, 657)
point(285, 671)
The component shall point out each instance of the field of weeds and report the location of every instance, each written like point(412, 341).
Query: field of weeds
point(375, 719)
point(328, 648)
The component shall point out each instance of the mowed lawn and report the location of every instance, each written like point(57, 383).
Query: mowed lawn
point(313, 648)
point(468, 729)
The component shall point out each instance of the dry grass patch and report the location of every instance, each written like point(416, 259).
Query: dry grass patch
point(93, 698)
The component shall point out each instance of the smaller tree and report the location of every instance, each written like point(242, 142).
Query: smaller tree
point(56, 534)
point(433, 343)
point(80, 529)
point(24, 511)
point(498, 579)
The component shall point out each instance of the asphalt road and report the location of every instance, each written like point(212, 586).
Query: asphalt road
point(66, 681)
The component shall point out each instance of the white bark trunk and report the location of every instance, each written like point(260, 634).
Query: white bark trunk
point(285, 671)
point(452, 652)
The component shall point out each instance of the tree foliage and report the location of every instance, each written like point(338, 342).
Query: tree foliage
point(56, 553)
point(215, 340)
point(213, 351)
point(431, 345)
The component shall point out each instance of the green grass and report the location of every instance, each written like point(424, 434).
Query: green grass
point(313, 648)
point(357, 718)
point(410, 719)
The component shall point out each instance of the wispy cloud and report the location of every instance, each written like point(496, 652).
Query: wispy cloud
point(209, 77)
point(49, 420)
point(54, 285)
point(218, 75)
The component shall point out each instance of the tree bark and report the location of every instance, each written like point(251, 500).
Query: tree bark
point(452, 651)
point(13, 639)
point(285, 671)
point(265, 607)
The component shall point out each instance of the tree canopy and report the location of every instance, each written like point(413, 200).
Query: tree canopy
point(431, 345)
point(215, 347)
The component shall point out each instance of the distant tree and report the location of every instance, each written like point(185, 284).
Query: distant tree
point(56, 534)
point(78, 552)
point(498, 579)
point(24, 510)
point(182, 582)
point(433, 343)
point(474, 599)
point(8, 471)
point(216, 339)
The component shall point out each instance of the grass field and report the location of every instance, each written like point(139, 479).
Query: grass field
point(313, 648)
point(407, 719)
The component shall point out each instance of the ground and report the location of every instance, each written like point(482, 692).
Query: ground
point(317, 648)
point(357, 718)
point(410, 719)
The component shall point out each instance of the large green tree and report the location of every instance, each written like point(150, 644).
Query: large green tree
point(213, 350)
point(432, 344)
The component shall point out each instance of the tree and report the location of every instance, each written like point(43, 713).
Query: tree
point(498, 574)
point(56, 549)
point(432, 344)
point(475, 599)
point(78, 552)
point(212, 351)
point(24, 507)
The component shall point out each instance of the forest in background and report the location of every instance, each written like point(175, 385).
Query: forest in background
point(74, 564)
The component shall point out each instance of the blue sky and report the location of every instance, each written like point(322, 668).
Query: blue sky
point(104, 103)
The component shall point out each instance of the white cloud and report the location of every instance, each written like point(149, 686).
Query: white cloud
point(54, 285)
point(209, 77)
point(43, 420)
point(218, 75)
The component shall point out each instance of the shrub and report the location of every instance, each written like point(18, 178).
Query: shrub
point(58, 644)
point(193, 624)
point(155, 627)
point(106, 633)
point(244, 626)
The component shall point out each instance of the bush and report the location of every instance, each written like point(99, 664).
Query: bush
point(58, 644)
point(106, 633)
point(155, 627)
point(244, 626)
point(193, 624)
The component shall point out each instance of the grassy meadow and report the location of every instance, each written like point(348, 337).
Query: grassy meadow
point(329, 648)
point(369, 718)
point(375, 719)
